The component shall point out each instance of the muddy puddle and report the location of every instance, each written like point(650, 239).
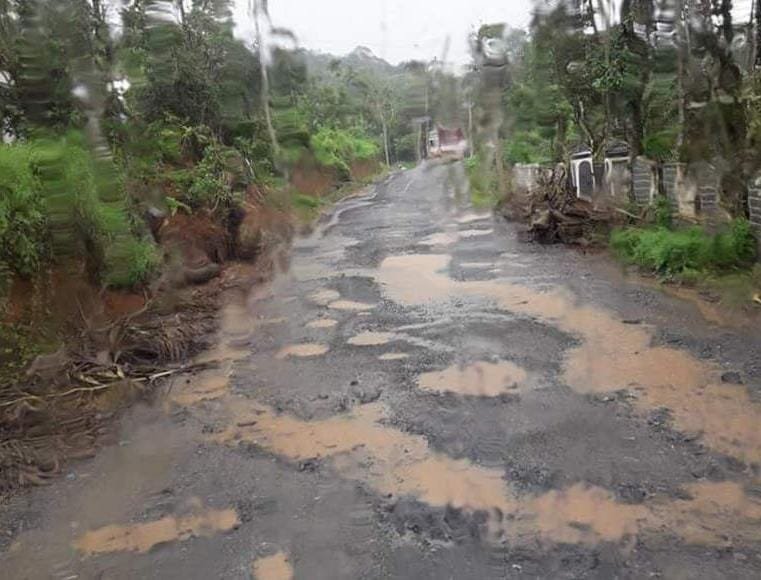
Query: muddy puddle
point(205, 386)
point(236, 327)
point(716, 514)
point(275, 567)
point(322, 323)
point(304, 350)
point(475, 233)
point(332, 299)
point(712, 312)
point(581, 514)
point(324, 297)
point(440, 239)
point(469, 218)
point(362, 446)
point(373, 338)
point(390, 356)
point(612, 355)
point(479, 379)
point(350, 305)
point(142, 537)
point(475, 265)
point(416, 278)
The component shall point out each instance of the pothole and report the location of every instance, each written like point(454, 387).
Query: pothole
point(481, 379)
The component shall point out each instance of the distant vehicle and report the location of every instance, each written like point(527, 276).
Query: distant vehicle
point(446, 142)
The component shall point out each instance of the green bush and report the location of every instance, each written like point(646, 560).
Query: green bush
point(338, 148)
point(132, 262)
point(59, 203)
point(660, 146)
point(211, 182)
point(527, 147)
point(484, 185)
point(22, 224)
point(407, 147)
point(664, 213)
point(684, 252)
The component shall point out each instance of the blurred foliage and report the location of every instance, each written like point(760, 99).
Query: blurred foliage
point(676, 88)
point(406, 146)
point(54, 207)
point(484, 182)
point(22, 220)
point(527, 147)
point(169, 114)
point(338, 148)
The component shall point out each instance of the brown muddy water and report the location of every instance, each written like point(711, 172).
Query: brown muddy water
point(613, 355)
point(363, 446)
point(373, 338)
point(302, 350)
point(368, 444)
point(144, 536)
point(350, 305)
point(392, 356)
point(481, 379)
point(322, 323)
point(275, 567)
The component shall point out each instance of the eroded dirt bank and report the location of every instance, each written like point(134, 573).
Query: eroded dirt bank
point(421, 396)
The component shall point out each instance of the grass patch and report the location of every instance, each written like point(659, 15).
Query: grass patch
point(689, 254)
point(306, 207)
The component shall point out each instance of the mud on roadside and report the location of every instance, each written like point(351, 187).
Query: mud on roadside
point(121, 348)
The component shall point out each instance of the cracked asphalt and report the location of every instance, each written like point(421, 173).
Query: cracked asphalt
point(421, 395)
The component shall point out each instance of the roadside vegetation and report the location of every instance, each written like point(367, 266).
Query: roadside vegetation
point(144, 145)
point(484, 186)
point(689, 253)
point(119, 124)
point(674, 87)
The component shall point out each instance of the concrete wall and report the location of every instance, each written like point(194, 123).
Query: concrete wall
point(754, 208)
point(693, 190)
point(617, 180)
point(644, 185)
point(707, 183)
point(681, 188)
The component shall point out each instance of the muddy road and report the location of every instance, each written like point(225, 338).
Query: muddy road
point(419, 395)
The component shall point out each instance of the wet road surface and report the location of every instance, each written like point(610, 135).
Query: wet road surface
point(420, 395)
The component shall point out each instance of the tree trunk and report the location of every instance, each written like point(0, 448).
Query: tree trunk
point(265, 88)
point(385, 140)
point(419, 143)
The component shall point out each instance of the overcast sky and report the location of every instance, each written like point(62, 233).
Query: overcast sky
point(396, 30)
